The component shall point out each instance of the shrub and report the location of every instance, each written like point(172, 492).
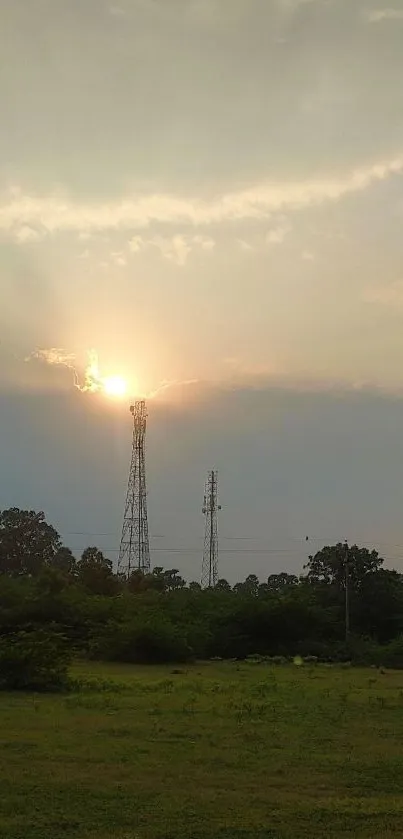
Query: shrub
point(389, 655)
point(279, 659)
point(311, 659)
point(142, 642)
point(33, 660)
point(97, 685)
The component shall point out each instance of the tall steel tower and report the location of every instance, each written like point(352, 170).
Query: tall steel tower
point(134, 553)
point(210, 554)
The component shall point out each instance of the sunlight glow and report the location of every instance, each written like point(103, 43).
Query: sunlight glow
point(115, 386)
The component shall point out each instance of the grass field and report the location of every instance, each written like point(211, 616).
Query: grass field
point(219, 751)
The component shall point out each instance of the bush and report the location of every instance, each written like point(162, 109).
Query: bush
point(255, 658)
point(33, 660)
point(389, 655)
point(98, 685)
point(138, 642)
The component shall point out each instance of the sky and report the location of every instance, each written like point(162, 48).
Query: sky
point(209, 193)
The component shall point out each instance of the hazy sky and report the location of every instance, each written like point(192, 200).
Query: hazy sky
point(210, 194)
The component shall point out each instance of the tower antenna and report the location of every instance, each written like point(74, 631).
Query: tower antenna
point(210, 553)
point(134, 552)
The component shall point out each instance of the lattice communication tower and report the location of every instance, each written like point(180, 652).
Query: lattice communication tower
point(210, 554)
point(134, 552)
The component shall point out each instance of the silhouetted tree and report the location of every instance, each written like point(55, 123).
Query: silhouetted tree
point(137, 582)
point(223, 585)
point(378, 609)
point(157, 579)
point(328, 566)
point(172, 580)
point(159, 618)
point(281, 582)
point(250, 586)
point(94, 571)
point(27, 542)
point(65, 561)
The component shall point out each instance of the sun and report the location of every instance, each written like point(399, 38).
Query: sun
point(115, 386)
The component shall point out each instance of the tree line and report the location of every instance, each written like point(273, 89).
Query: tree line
point(345, 606)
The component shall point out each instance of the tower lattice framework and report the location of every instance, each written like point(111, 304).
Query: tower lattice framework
point(134, 552)
point(210, 553)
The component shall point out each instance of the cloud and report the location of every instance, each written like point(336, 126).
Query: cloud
point(116, 11)
point(53, 356)
point(378, 15)
point(169, 385)
point(241, 372)
point(119, 259)
point(245, 246)
point(25, 234)
point(241, 376)
point(92, 379)
point(57, 357)
point(136, 244)
point(205, 242)
point(52, 214)
point(293, 5)
point(308, 256)
point(386, 295)
point(174, 248)
point(276, 236)
point(235, 375)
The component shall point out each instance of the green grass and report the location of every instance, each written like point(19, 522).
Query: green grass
point(219, 751)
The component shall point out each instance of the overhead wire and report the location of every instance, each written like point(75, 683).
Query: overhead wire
point(301, 539)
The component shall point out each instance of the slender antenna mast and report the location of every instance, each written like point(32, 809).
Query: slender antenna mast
point(210, 554)
point(134, 553)
point(347, 591)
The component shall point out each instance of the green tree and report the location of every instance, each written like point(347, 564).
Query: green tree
point(378, 609)
point(137, 583)
point(222, 585)
point(333, 564)
point(157, 579)
point(65, 561)
point(162, 579)
point(27, 542)
point(278, 583)
point(173, 580)
point(95, 572)
point(250, 586)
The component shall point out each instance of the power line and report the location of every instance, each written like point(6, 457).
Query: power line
point(246, 538)
point(196, 551)
point(96, 533)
